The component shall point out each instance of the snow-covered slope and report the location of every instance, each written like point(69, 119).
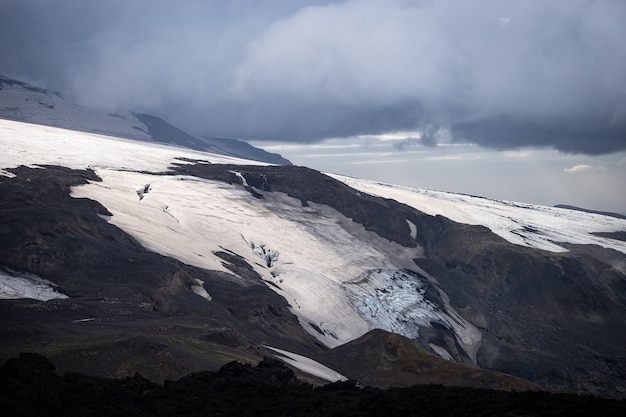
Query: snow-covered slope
point(531, 225)
point(28, 103)
point(25, 102)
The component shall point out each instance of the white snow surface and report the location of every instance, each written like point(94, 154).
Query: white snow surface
point(531, 225)
point(15, 285)
point(32, 145)
point(200, 290)
point(48, 108)
point(308, 365)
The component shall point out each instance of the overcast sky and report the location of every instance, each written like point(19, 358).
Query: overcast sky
point(383, 86)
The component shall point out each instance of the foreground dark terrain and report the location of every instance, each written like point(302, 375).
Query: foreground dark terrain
point(29, 386)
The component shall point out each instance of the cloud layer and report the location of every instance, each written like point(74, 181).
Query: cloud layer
point(502, 74)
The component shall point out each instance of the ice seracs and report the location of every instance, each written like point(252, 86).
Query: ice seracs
point(393, 300)
point(262, 251)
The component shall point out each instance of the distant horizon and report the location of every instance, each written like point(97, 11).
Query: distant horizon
point(433, 168)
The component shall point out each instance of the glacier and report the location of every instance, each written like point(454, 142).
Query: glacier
point(523, 224)
point(340, 279)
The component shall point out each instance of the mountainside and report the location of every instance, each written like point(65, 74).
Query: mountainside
point(165, 261)
point(28, 103)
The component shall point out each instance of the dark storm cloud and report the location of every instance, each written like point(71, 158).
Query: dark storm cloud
point(499, 73)
point(591, 139)
point(39, 39)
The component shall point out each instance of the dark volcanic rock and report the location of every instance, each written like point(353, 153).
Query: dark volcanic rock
point(553, 318)
point(604, 213)
point(29, 386)
point(612, 235)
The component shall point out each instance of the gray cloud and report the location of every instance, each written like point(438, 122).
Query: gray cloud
point(502, 74)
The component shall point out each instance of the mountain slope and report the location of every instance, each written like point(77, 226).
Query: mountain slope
point(27, 103)
point(255, 255)
point(385, 360)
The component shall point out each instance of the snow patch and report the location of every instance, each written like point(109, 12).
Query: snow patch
point(199, 289)
point(412, 229)
point(7, 174)
point(83, 320)
point(308, 365)
point(14, 285)
point(241, 178)
point(441, 351)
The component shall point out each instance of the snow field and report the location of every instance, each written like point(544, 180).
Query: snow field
point(531, 225)
point(31, 145)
